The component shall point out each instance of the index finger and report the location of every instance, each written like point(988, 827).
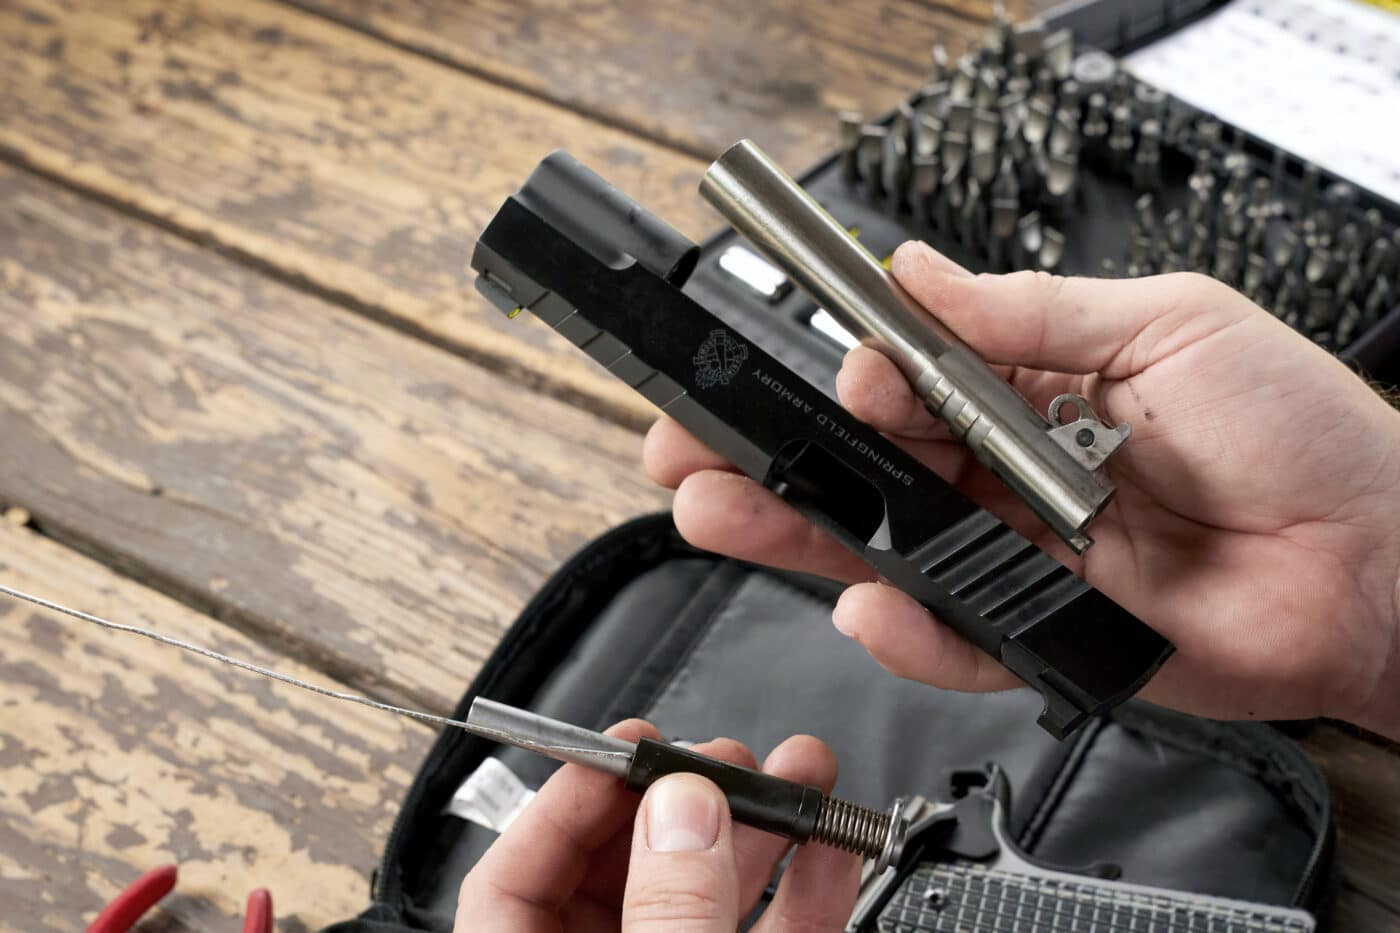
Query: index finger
point(538, 863)
point(1116, 327)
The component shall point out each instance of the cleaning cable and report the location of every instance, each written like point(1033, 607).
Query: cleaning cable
point(233, 662)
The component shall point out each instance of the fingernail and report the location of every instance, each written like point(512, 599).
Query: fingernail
point(844, 619)
point(682, 814)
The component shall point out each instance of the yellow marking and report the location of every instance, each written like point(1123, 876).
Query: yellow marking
point(854, 232)
point(887, 261)
point(512, 315)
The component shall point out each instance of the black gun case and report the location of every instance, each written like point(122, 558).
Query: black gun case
point(641, 624)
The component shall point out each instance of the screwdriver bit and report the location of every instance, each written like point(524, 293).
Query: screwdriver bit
point(928, 134)
point(1285, 249)
point(1200, 207)
point(1029, 238)
point(1234, 223)
point(953, 154)
point(1064, 132)
point(1147, 161)
point(989, 81)
point(983, 164)
point(1058, 51)
point(1039, 112)
point(1005, 199)
point(998, 37)
point(1321, 312)
point(985, 129)
point(1318, 266)
point(1256, 273)
point(1174, 227)
point(1373, 222)
point(851, 123)
point(1208, 134)
point(1198, 246)
point(939, 56)
point(1379, 302)
point(1349, 324)
point(1151, 100)
point(1071, 93)
point(1144, 215)
point(963, 80)
point(933, 99)
point(1052, 249)
point(897, 167)
point(1179, 116)
point(970, 214)
point(1120, 138)
point(872, 157)
point(1309, 189)
point(948, 203)
point(1262, 205)
point(1348, 282)
point(1094, 70)
point(1060, 175)
point(1377, 259)
point(1139, 256)
point(1286, 299)
point(923, 183)
point(1278, 169)
point(1227, 258)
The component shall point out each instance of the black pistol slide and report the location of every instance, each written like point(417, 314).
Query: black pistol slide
point(607, 274)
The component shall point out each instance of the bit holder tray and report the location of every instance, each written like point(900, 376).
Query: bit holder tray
point(1154, 184)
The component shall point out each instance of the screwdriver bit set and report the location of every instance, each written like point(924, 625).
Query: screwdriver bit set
point(1040, 150)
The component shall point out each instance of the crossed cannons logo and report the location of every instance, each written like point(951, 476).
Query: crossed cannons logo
point(719, 359)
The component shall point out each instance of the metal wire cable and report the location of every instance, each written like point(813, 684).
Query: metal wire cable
point(233, 662)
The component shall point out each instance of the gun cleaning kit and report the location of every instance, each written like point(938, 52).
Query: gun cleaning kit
point(1065, 807)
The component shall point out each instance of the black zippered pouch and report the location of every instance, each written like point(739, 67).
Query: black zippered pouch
point(641, 624)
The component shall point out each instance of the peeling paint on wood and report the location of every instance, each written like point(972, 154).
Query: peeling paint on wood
point(696, 75)
point(319, 153)
point(118, 755)
point(377, 506)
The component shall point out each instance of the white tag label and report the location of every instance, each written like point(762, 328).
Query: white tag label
point(491, 796)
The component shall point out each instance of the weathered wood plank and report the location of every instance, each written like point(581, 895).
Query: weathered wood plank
point(1365, 781)
point(378, 506)
point(364, 171)
point(1355, 911)
point(697, 76)
point(118, 755)
point(361, 170)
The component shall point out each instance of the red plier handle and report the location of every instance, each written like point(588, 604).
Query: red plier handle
point(145, 892)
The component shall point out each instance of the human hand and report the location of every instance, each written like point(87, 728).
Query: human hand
point(1257, 519)
point(575, 859)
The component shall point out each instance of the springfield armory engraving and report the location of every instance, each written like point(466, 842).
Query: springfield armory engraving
point(833, 426)
point(719, 359)
point(607, 274)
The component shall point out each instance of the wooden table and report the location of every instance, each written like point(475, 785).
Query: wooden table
point(248, 395)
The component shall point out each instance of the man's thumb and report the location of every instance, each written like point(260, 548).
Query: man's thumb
point(683, 874)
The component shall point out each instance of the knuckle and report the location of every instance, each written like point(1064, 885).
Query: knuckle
point(1046, 286)
point(790, 920)
point(1199, 285)
point(675, 903)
